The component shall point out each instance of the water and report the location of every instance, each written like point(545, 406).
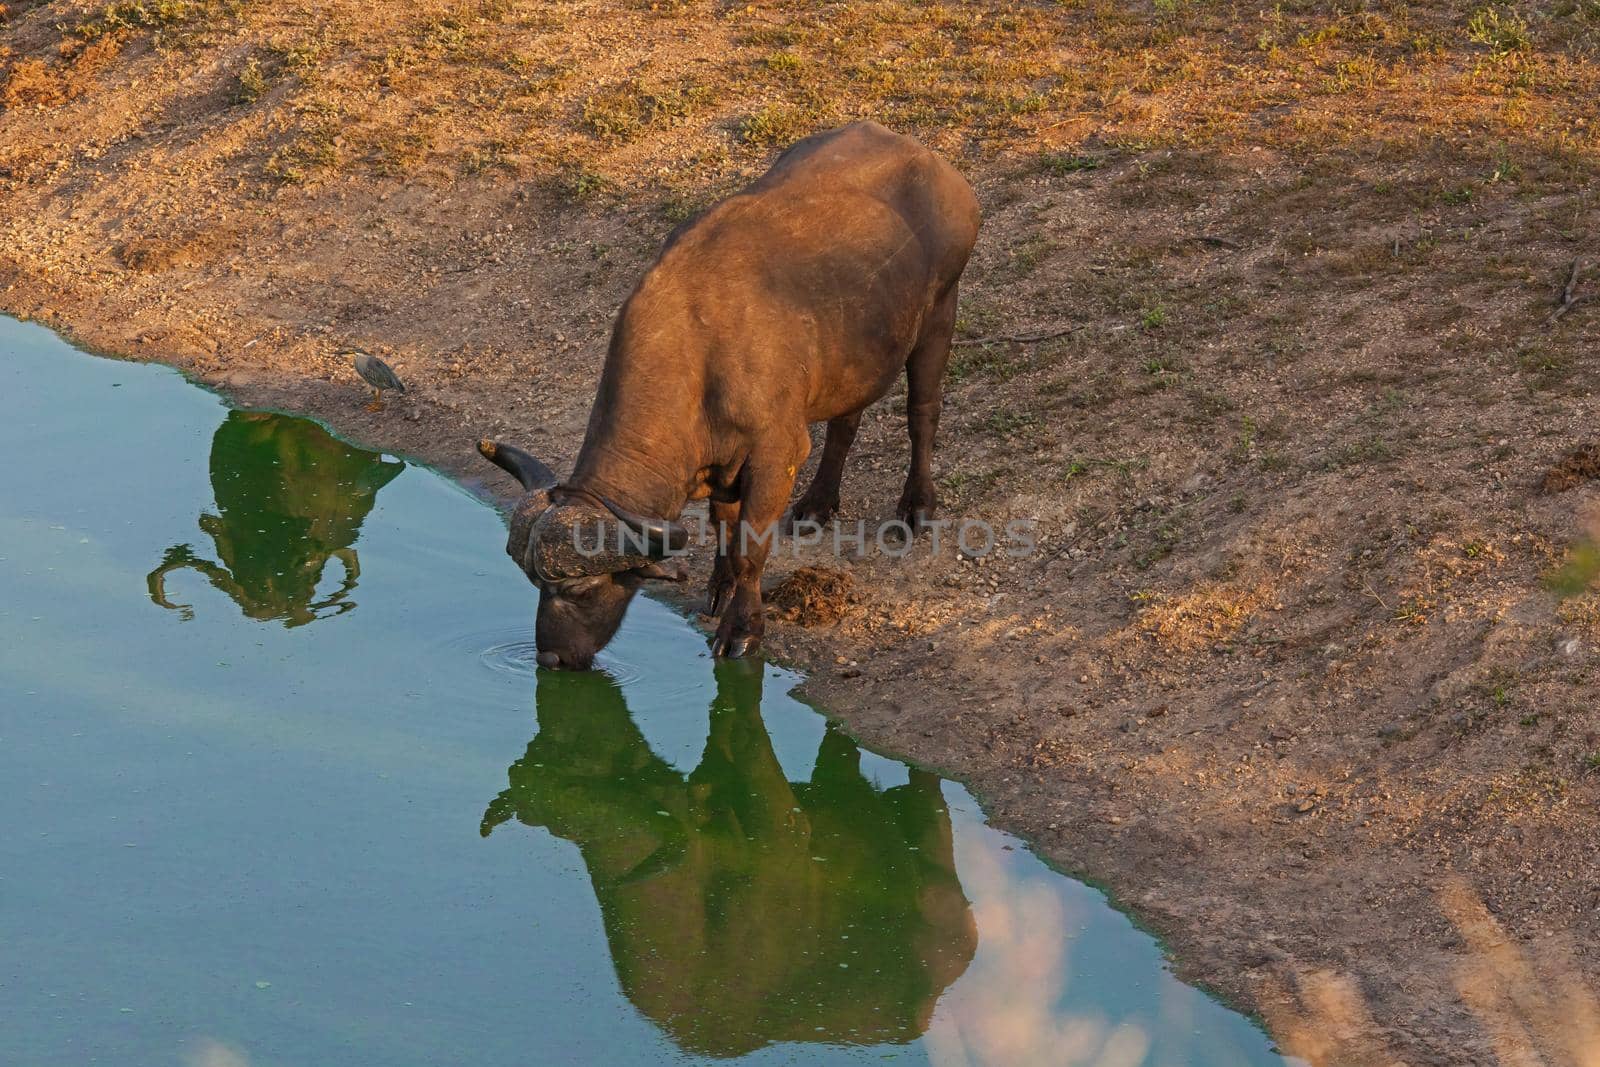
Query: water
point(283, 788)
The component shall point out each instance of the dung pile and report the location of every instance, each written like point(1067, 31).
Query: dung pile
point(813, 596)
point(1577, 467)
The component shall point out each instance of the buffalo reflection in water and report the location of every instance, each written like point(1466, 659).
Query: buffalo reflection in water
point(742, 908)
point(290, 496)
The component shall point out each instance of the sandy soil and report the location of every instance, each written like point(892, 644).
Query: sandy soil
point(1289, 674)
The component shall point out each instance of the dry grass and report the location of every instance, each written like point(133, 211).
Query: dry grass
point(1202, 619)
point(690, 94)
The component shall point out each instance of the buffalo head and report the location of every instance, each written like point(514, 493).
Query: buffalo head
point(586, 554)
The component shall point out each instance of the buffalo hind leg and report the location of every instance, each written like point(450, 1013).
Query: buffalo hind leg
point(924, 395)
point(821, 500)
point(765, 484)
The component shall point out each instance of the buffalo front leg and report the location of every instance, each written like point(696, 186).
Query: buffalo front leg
point(719, 591)
point(924, 396)
point(821, 500)
point(765, 488)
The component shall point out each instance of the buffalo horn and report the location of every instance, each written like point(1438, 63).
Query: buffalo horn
point(524, 468)
point(660, 535)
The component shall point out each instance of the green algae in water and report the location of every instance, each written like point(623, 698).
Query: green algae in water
point(285, 789)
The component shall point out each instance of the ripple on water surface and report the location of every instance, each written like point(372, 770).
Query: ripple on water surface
point(514, 651)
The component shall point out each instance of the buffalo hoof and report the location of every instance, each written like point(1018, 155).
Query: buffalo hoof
point(916, 508)
point(808, 509)
point(735, 647)
point(916, 519)
point(739, 635)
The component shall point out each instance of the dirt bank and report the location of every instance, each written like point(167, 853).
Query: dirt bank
point(1287, 674)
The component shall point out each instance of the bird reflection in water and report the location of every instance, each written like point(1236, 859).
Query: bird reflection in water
point(290, 497)
point(742, 908)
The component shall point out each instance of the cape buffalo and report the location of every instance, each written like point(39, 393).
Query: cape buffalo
point(797, 300)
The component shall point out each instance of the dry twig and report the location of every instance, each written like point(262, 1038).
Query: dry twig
point(1216, 242)
point(1018, 338)
point(1569, 294)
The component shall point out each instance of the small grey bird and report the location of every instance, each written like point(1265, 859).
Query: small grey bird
point(376, 373)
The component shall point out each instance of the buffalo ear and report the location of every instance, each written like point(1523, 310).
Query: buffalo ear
point(658, 572)
point(533, 475)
